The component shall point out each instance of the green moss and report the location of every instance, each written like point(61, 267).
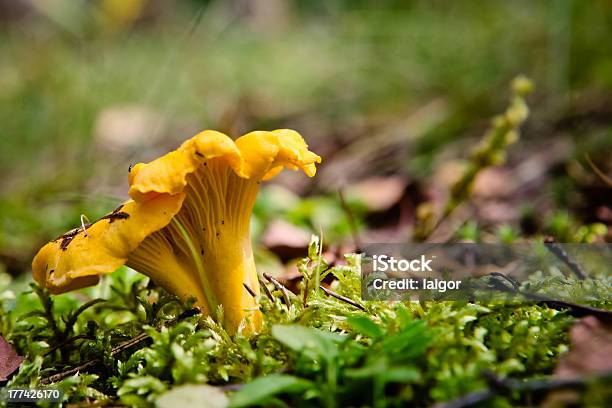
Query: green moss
point(329, 352)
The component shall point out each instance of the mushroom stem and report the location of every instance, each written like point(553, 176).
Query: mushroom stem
point(207, 245)
point(218, 210)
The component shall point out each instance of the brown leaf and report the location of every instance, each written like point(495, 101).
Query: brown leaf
point(591, 351)
point(494, 182)
point(286, 240)
point(590, 354)
point(378, 193)
point(9, 359)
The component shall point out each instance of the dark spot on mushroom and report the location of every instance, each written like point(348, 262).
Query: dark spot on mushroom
point(69, 236)
point(218, 234)
point(203, 228)
point(199, 154)
point(51, 271)
point(67, 239)
point(117, 214)
point(222, 222)
point(201, 250)
point(120, 215)
point(206, 164)
point(259, 182)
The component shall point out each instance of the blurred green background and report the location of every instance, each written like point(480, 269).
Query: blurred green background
point(390, 93)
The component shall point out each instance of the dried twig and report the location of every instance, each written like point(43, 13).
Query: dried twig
point(280, 287)
point(558, 251)
point(266, 290)
point(248, 288)
point(342, 298)
point(598, 171)
point(116, 350)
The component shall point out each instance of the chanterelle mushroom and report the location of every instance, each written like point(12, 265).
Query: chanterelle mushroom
point(186, 225)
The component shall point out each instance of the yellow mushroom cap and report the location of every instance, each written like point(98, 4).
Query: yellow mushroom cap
point(256, 155)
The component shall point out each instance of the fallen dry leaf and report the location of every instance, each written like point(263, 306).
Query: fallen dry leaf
point(591, 350)
point(286, 240)
point(590, 354)
point(378, 193)
point(9, 359)
point(494, 182)
point(497, 212)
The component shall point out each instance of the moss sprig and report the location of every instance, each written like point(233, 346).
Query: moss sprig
point(491, 151)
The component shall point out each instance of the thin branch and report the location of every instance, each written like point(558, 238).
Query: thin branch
point(248, 288)
point(598, 171)
point(266, 290)
point(342, 298)
point(558, 251)
point(280, 287)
